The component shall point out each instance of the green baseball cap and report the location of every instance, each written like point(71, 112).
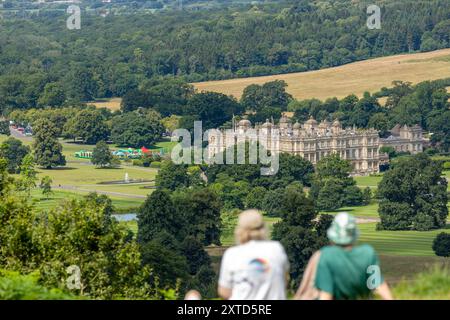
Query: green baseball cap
point(343, 229)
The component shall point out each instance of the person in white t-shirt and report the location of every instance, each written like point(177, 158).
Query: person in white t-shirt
point(255, 269)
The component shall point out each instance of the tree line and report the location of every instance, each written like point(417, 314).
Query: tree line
point(44, 64)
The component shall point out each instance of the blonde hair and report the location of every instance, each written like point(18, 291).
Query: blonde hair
point(250, 226)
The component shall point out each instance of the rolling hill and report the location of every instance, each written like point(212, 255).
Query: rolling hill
point(358, 77)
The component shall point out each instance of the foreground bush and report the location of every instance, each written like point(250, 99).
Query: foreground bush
point(14, 286)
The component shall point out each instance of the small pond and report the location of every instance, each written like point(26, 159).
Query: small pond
point(125, 216)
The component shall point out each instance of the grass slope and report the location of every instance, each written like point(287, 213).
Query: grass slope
point(358, 77)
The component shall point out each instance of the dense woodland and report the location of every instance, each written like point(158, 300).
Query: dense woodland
point(109, 56)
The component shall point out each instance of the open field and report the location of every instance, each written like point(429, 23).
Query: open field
point(112, 104)
point(403, 243)
point(41, 203)
point(369, 211)
point(368, 181)
point(358, 77)
point(80, 177)
point(87, 178)
point(373, 181)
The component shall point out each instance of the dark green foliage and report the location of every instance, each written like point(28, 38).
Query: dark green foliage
point(353, 196)
point(89, 125)
point(271, 202)
point(255, 198)
point(297, 231)
point(323, 224)
point(168, 265)
point(4, 127)
point(389, 150)
point(13, 151)
point(217, 43)
point(101, 201)
point(439, 124)
point(133, 100)
point(441, 244)
point(81, 84)
point(331, 194)
point(295, 168)
point(333, 187)
point(413, 195)
point(213, 109)
point(158, 214)
point(101, 155)
point(201, 208)
point(292, 168)
point(53, 95)
point(269, 95)
point(46, 148)
point(172, 230)
point(167, 96)
point(136, 131)
point(172, 176)
point(197, 257)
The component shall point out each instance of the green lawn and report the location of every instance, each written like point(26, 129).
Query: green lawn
point(404, 243)
point(373, 181)
point(87, 178)
point(369, 211)
point(41, 203)
point(166, 145)
point(368, 181)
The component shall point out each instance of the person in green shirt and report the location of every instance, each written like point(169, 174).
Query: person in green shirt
point(343, 270)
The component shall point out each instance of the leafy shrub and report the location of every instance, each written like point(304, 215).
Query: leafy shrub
point(441, 244)
point(155, 164)
point(14, 286)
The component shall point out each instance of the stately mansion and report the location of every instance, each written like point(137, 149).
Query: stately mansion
point(313, 141)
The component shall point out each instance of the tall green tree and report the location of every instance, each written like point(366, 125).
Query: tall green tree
point(332, 185)
point(298, 231)
point(53, 95)
point(46, 186)
point(46, 148)
point(441, 245)
point(158, 214)
point(271, 94)
point(28, 174)
point(101, 155)
point(90, 126)
point(413, 195)
point(13, 150)
point(213, 109)
point(172, 176)
point(134, 130)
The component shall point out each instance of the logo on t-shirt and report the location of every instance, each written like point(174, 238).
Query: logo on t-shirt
point(259, 266)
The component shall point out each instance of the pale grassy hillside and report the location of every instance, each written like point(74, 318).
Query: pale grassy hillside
point(358, 77)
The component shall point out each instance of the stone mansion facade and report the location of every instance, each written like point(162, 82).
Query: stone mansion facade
point(313, 141)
